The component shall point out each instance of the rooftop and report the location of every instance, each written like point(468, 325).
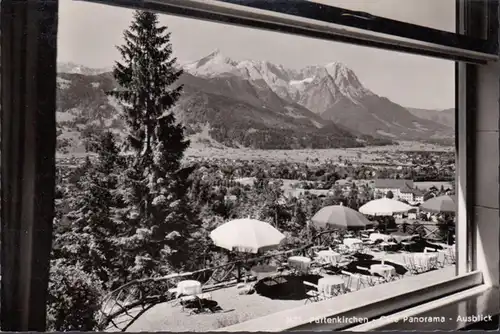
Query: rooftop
point(393, 183)
point(405, 189)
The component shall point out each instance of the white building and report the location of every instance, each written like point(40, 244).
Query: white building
point(401, 189)
point(383, 186)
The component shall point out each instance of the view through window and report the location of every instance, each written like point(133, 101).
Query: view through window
point(312, 169)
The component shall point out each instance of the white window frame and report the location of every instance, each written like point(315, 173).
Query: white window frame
point(375, 301)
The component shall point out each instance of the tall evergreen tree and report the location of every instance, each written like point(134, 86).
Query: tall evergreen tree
point(159, 218)
point(89, 239)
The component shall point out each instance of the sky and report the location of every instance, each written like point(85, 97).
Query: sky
point(89, 33)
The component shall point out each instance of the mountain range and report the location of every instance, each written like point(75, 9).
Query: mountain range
point(256, 104)
point(445, 117)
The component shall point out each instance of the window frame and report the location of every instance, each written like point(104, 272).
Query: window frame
point(366, 21)
point(350, 29)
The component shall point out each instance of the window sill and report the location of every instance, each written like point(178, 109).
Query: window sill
point(368, 303)
point(451, 313)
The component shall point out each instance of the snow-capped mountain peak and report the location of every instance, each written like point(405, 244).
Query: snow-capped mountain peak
point(69, 67)
point(346, 81)
point(289, 84)
point(342, 74)
point(212, 65)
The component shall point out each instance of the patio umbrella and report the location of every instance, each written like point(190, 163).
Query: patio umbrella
point(340, 217)
point(440, 204)
point(384, 207)
point(247, 235)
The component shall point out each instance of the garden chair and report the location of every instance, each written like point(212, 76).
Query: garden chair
point(368, 277)
point(173, 295)
point(312, 293)
point(449, 255)
point(196, 299)
point(356, 281)
point(343, 249)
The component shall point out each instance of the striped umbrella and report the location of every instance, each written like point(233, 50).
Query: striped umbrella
point(340, 217)
point(440, 204)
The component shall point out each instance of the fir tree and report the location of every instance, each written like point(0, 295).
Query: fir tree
point(89, 239)
point(155, 187)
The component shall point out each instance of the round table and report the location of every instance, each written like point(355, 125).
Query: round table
point(401, 238)
point(300, 263)
point(426, 260)
point(353, 243)
point(329, 256)
point(331, 285)
point(188, 288)
point(385, 244)
point(263, 271)
point(383, 270)
point(379, 236)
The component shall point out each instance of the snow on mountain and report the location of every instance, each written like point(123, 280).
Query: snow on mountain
point(79, 69)
point(215, 64)
point(286, 83)
point(317, 106)
point(346, 81)
point(332, 91)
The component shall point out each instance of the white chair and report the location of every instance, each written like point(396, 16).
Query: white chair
point(173, 294)
point(362, 268)
point(361, 281)
point(343, 249)
point(198, 297)
point(449, 255)
point(312, 292)
point(406, 245)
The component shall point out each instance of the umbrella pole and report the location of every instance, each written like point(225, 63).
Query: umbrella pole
point(238, 266)
point(308, 226)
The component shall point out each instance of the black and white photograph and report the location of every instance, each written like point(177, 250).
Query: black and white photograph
point(249, 165)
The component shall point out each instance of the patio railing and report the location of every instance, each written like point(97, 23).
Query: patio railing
point(123, 306)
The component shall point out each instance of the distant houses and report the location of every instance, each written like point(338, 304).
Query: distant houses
point(401, 189)
point(295, 193)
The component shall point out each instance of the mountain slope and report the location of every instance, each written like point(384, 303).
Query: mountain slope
point(255, 104)
point(332, 91)
point(79, 69)
point(235, 113)
point(445, 117)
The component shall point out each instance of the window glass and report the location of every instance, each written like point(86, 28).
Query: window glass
point(280, 127)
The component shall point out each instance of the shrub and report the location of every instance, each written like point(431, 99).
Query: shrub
point(232, 319)
point(74, 299)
